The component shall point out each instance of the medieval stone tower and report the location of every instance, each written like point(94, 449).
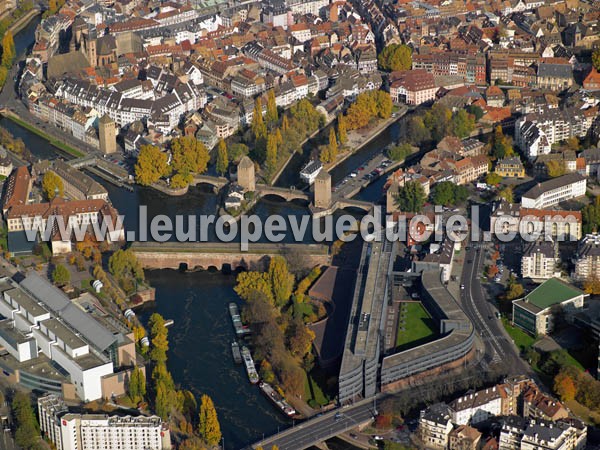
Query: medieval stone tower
point(107, 132)
point(246, 177)
point(323, 190)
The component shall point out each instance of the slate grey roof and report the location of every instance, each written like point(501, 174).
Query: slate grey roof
point(555, 70)
point(554, 183)
point(59, 303)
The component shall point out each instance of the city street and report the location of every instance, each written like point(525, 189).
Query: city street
point(499, 347)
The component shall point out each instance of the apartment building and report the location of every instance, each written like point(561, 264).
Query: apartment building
point(535, 133)
point(552, 192)
point(477, 407)
point(464, 437)
point(560, 225)
point(510, 167)
point(76, 214)
point(587, 258)
point(413, 87)
point(435, 425)
point(540, 260)
point(71, 431)
point(539, 434)
point(78, 185)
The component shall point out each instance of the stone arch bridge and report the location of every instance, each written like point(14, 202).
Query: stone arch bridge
point(219, 255)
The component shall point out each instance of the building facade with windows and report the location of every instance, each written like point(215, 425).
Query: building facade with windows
point(69, 431)
point(534, 313)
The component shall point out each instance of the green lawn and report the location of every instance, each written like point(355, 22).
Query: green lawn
point(525, 341)
point(419, 327)
point(522, 340)
point(55, 142)
point(313, 394)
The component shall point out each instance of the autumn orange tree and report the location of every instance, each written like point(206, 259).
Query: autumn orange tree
point(368, 105)
point(592, 285)
point(564, 386)
point(492, 270)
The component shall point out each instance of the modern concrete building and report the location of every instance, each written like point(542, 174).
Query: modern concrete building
point(362, 349)
point(455, 342)
point(43, 323)
point(554, 191)
point(363, 354)
point(70, 431)
point(534, 312)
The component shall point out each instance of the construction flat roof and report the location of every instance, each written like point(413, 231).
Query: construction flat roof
point(26, 302)
point(63, 333)
point(74, 317)
point(552, 292)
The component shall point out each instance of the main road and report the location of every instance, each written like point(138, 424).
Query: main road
point(499, 346)
point(323, 427)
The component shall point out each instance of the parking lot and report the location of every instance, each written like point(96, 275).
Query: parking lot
point(362, 176)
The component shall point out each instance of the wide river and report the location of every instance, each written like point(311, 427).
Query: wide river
point(199, 355)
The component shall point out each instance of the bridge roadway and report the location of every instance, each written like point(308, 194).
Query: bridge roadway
point(321, 428)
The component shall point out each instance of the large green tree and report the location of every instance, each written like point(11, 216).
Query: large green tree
point(596, 59)
point(137, 385)
point(447, 193)
point(189, 155)
point(61, 275)
point(209, 427)
point(27, 435)
point(411, 197)
point(222, 158)
point(258, 124)
point(272, 155)
point(342, 132)
point(282, 281)
point(124, 264)
point(151, 165)
point(399, 152)
point(463, 124)
point(271, 115)
point(395, 57)
point(52, 185)
point(159, 339)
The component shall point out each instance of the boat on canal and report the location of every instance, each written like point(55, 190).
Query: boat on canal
point(250, 367)
point(235, 351)
point(234, 312)
point(277, 399)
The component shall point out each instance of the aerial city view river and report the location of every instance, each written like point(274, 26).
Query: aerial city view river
point(199, 355)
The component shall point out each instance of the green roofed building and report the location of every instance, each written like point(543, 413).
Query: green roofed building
point(534, 312)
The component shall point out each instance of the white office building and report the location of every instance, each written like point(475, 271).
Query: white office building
point(69, 431)
point(40, 319)
point(552, 192)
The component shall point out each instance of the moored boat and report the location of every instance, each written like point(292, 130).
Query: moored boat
point(250, 367)
point(235, 351)
point(277, 399)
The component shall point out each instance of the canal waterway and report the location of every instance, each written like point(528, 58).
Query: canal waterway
point(199, 355)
